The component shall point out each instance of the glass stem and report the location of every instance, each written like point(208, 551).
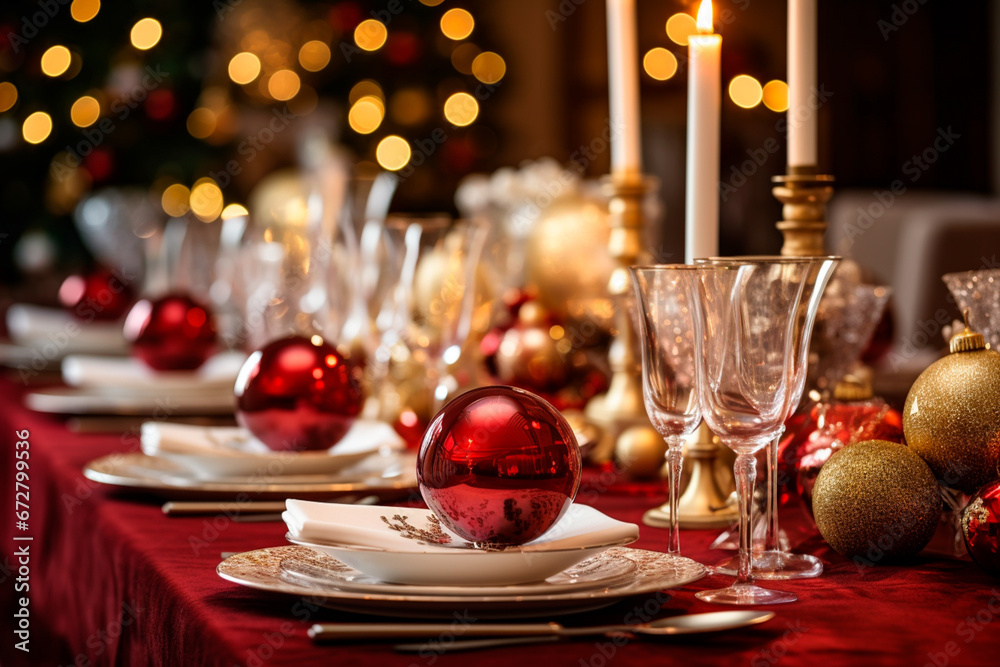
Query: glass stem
point(771, 535)
point(745, 469)
point(675, 462)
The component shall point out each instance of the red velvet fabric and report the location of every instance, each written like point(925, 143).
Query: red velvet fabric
point(113, 581)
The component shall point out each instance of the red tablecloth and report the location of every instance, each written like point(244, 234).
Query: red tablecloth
point(114, 581)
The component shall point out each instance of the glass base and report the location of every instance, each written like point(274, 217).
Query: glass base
point(775, 565)
point(746, 594)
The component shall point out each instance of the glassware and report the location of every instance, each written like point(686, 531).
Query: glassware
point(745, 315)
point(430, 312)
point(978, 292)
point(668, 371)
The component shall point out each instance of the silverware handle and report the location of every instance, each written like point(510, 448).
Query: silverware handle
point(475, 644)
point(189, 508)
point(331, 631)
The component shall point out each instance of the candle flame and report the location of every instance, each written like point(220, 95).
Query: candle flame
point(704, 21)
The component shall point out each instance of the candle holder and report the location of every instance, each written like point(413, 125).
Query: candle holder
point(622, 407)
point(804, 195)
point(704, 504)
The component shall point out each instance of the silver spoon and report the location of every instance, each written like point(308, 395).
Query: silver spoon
point(513, 633)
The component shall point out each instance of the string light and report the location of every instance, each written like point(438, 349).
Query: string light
point(283, 85)
point(457, 24)
point(775, 95)
point(489, 67)
point(56, 60)
point(206, 200)
point(314, 55)
point(37, 127)
point(244, 67)
point(365, 88)
point(175, 200)
point(8, 95)
point(146, 34)
point(461, 109)
point(680, 27)
point(85, 111)
point(201, 122)
point(745, 91)
point(234, 211)
point(84, 10)
point(659, 63)
point(370, 35)
point(366, 115)
point(393, 153)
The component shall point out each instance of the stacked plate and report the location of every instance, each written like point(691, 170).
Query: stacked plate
point(393, 561)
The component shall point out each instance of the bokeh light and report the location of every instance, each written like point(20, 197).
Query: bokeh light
point(745, 91)
point(37, 127)
point(659, 63)
point(206, 200)
point(85, 111)
point(463, 55)
point(370, 35)
point(244, 67)
point(775, 95)
point(146, 33)
point(314, 55)
point(283, 84)
point(680, 27)
point(56, 60)
point(8, 95)
point(457, 23)
point(461, 109)
point(393, 152)
point(201, 122)
point(410, 106)
point(234, 211)
point(84, 10)
point(365, 88)
point(366, 115)
point(489, 67)
point(431, 3)
point(176, 200)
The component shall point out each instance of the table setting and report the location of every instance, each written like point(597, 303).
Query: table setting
point(364, 395)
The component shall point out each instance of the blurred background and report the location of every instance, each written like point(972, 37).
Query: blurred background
point(194, 103)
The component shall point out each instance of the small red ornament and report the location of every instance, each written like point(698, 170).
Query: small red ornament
point(173, 333)
point(297, 393)
point(100, 295)
point(499, 466)
point(981, 528)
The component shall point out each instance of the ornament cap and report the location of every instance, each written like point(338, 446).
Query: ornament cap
point(853, 388)
point(968, 340)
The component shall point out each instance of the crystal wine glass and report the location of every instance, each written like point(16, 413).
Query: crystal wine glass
point(668, 372)
point(745, 321)
point(814, 274)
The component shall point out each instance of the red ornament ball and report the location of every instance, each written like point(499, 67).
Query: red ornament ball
point(173, 333)
point(981, 528)
point(297, 393)
point(499, 466)
point(100, 295)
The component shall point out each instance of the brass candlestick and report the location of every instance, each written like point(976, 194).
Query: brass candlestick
point(804, 195)
point(622, 407)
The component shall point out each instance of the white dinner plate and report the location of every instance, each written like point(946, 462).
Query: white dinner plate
point(262, 569)
point(134, 471)
point(55, 333)
point(71, 401)
point(595, 572)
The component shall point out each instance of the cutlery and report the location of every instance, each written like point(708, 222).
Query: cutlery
point(260, 507)
point(514, 633)
point(126, 424)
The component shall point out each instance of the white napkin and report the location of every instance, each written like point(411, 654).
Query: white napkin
point(43, 328)
point(167, 438)
point(128, 373)
point(360, 525)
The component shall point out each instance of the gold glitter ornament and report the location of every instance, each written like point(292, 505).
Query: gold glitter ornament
point(952, 414)
point(641, 452)
point(877, 501)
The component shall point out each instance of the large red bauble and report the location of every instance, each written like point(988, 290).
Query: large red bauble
point(173, 333)
point(297, 393)
point(499, 466)
point(100, 295)
point(981, 528)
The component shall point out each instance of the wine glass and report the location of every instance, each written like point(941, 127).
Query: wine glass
point(431, 309)
point(744, 320)
point(668, 371)
point(774, 562)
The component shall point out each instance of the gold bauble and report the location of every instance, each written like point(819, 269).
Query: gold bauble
point(528, 356)
point(567, 263)
point(640, 452)
point(876, 500)
point(952, 418)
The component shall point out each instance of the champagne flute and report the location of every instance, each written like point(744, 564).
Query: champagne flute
point(744, 320)
point(668, 371)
